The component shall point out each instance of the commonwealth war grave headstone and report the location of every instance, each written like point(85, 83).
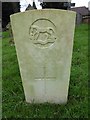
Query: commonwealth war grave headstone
point(44, 45)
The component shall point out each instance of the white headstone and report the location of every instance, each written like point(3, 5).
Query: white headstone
point(44, 44)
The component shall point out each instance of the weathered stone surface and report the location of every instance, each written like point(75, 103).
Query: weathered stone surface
point(44, 44)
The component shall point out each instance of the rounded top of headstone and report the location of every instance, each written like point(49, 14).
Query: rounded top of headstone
point(44, 10)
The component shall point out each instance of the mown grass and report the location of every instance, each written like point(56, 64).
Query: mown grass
point(13, 100)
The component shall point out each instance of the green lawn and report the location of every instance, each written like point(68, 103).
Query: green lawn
point(13, 100)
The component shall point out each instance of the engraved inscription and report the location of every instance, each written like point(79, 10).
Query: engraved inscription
point(42, 33)
point(47, 78)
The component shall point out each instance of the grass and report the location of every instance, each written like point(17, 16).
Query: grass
point(13, 100)
point(0, 76)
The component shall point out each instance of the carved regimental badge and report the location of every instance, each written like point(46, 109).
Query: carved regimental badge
point(42, 33)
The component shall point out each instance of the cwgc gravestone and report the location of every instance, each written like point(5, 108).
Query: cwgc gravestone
point(44, 44)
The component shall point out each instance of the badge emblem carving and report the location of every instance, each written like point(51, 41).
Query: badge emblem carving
point(42, 33)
